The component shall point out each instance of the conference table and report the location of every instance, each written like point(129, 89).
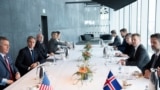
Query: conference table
point(60, 72)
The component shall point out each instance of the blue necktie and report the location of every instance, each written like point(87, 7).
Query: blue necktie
point(32, 55)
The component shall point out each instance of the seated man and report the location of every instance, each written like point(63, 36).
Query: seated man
point(8, 72)
point(53, 43)
point(28, 57)
point(41, 46)
point(122, 47)
point(140, 56)
point(155, 60)
point(117, 40)
point(129, 49)
point(67, 44)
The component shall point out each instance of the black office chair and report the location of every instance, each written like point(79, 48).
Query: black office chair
point(106, 37)
point(87, 37)
point(82, 37)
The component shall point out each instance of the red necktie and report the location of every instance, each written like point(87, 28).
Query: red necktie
point(8, 67)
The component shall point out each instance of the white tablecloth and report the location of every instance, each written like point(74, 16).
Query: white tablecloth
point(61, 73)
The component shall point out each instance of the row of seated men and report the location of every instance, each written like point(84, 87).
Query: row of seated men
point(28, 57)
point(136, 52)
point(138, 56)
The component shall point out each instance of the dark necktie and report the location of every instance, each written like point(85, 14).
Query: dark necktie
point(8, 67)
point(154, 62)
point(32, 51)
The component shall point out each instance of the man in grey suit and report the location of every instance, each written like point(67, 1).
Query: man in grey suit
point(140, 56)
point(8, 71)
point(53, 43)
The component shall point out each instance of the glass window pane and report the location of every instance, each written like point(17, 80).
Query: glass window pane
point(133, 17)
point(158, 16)
point(144, 23)
point(151, 23)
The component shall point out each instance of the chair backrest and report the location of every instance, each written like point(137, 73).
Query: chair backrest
point(106, 37)
point(82, 37)
point(87, 37)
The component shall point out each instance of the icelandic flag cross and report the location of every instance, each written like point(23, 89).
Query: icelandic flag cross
point(45, 83)
point(111, 83)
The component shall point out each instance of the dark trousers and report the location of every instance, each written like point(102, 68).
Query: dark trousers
point(3, 87)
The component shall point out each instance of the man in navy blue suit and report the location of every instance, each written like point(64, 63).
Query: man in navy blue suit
point(8, 72)
point(28, 57)
point(139, 55)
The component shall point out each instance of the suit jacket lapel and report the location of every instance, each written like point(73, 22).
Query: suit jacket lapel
point(157, 61)
point(2, 60)
point(137, 51)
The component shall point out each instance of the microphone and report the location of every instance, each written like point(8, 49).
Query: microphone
point(104, 52)
point(73, 45)
point(101, 42)
point(66, 52)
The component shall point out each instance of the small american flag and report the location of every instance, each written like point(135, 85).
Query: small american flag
point(111, 83)
point(45, 83)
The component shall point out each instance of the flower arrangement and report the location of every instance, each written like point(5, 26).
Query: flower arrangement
point(84, 70)
point(88, 46)
point(86, 55)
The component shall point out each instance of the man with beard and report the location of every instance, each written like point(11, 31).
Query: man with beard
point(124, 44)
point(155, 60)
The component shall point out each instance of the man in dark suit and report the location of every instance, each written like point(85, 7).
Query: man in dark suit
point(155, 59)
point(117, 40)
point(8, 71)
point(129, 49)
point(41, 47)
point(122, 47)
point(53, 43)
point(140, 56)
point(28, 57)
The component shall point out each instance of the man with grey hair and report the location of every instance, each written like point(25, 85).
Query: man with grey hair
point(41, 47)
point(9, 73)
point(28, 57)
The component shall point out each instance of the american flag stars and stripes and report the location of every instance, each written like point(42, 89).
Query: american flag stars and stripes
point(45, 83)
